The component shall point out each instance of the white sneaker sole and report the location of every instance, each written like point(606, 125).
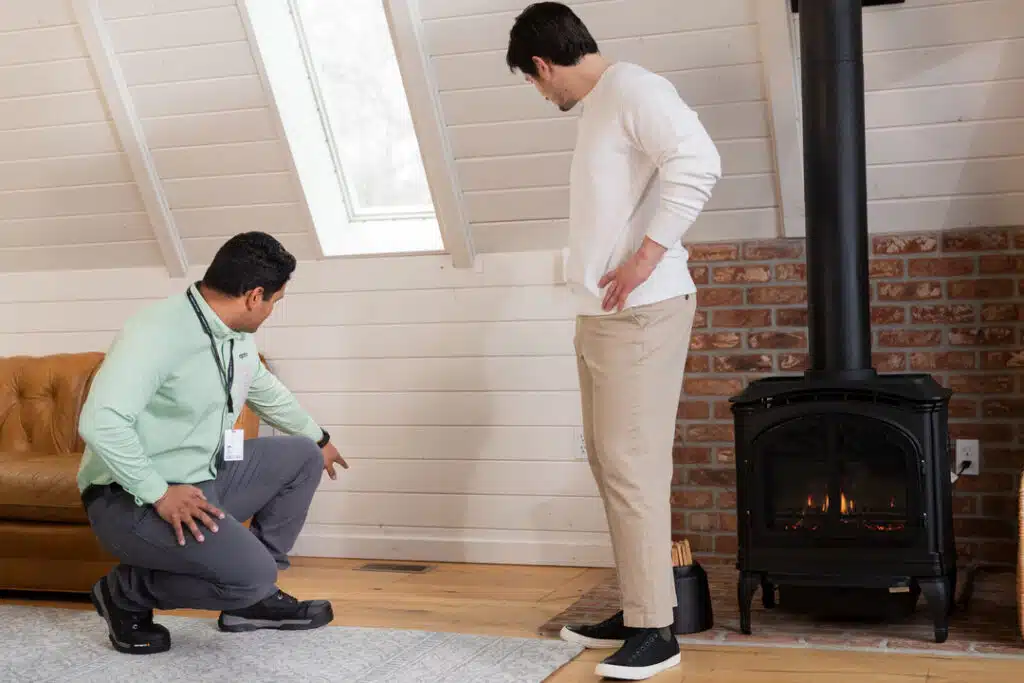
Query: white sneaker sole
point(632, 673)
point(570, 636)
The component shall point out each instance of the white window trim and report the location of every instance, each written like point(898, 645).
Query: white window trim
point(280, 55)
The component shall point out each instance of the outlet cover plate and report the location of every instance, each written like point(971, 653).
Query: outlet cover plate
point(968, 449)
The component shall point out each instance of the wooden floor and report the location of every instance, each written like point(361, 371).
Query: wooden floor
point(515, 601)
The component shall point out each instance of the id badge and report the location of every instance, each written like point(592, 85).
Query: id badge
point(234, 440)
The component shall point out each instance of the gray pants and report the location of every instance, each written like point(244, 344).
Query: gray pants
point(233, 568)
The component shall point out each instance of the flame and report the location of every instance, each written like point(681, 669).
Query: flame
point(845, 505)
point(824, 508)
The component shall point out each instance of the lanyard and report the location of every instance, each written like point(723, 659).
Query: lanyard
point(226, 379)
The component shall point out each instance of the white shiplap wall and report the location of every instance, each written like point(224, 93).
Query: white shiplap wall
point(513, 148)
point(67, 196)
point(191, 73)
point(944, 107)
point(451, 392)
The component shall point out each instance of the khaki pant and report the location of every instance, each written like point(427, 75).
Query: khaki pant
point(631, 367)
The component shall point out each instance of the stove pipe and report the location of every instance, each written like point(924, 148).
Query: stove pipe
point(835, 189)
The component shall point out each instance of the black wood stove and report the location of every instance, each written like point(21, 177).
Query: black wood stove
point(843, 474)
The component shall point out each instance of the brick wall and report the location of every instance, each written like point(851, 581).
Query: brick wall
point(949, 303)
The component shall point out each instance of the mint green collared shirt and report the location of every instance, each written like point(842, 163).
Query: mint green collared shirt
point(157, 410)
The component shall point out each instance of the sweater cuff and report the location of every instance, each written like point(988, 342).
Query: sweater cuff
point(150, 490)
point(668, 228)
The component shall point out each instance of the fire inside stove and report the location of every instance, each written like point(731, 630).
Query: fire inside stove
point(817, 512)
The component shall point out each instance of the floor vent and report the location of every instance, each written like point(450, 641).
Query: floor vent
point(394, 568)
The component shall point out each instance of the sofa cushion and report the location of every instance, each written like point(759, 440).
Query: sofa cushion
point(40, 488)
point(40, 398)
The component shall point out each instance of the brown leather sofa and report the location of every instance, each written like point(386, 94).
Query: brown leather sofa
point(46, 543)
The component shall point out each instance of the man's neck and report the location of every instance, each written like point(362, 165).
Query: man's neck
point(221, 305)
point(586, 75)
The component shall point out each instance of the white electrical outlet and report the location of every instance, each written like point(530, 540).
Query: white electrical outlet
point(968, 450)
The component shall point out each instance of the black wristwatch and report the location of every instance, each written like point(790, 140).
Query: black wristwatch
point(323, 439)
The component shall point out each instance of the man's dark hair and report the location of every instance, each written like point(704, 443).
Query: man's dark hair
point(551, 31)
point(247, 261)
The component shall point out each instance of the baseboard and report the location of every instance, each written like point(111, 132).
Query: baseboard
point(471, 546)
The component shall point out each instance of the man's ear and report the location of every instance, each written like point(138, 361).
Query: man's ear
point(253, 298)
point(543, 67)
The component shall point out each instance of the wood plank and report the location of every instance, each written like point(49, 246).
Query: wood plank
point(453, 443)
point(459, 511)
point(426, 272)
point(711, 226)
point(967, 22)
point(36, 174)
point(58, 316)
point(66, 201)
point(41, 45)
point(986, 62)
point(201, 250)
point(234, 190)
point(44, 344)
point(552, 203)
point(119, 9)
point(947, 141)
point(723, 122)
point(945, 178)
point(181, 29)
point(607, 20)
point(424, 306)
point(251, 125)
point(52, 110)
point(534, 373)
point(944, 104)
point(194, 62)
point(947, 213)
point(521, 236)
point(23, 16)
point(53, 259)
point(55, 231)
point(660, 53)
point(700, 87)
point(268, 156)
point(197, 97)
point(47, 78)
point(224, 221)
point(477, 340)
point(506, 409)
point(552, 168)
point(446, 545)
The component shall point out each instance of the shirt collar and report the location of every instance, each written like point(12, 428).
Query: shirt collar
point(217, 326)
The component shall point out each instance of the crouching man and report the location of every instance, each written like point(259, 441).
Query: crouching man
point(166, 481)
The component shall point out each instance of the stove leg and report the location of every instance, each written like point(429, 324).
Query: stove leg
point(748, 583)
point(767, 593)
point(939, 594)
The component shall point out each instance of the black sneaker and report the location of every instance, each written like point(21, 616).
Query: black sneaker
point(644, 655)
point(130, 632)
point(610, 633)
point(280, 611)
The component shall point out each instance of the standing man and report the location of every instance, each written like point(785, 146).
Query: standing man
point(167, 483)
point(642, 171)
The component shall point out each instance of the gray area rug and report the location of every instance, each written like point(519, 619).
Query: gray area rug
point(40, 645)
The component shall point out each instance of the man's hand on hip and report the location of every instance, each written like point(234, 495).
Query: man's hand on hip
point(630, 275)
point(331, 456)
point(183, 505)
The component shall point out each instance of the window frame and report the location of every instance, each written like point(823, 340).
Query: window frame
point(340, 227)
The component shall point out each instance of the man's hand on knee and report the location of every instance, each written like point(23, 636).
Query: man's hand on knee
point(183, 505)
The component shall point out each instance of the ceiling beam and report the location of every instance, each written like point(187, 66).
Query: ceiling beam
point(778, 59)
point(129, 129)
point(423, 96)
